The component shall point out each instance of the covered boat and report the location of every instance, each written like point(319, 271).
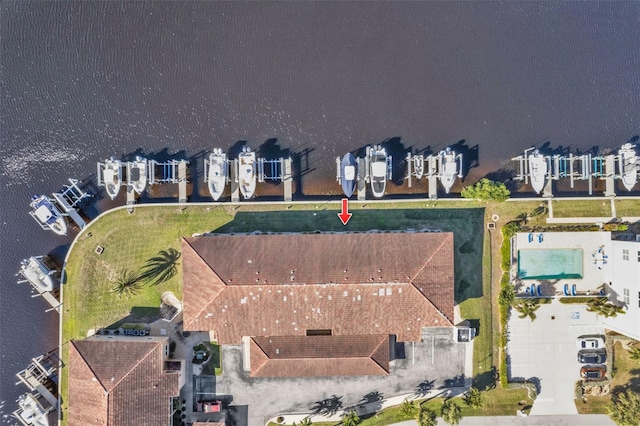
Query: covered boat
point(247, 172)
point(629, 163)
point(137, 174)
point(47, 214)
point(31, 413)
point(217, 173)
point(36, 272)
point(449, 168)
point(348, 175)
point(112, 176)
point(538, 169)
point(378, 172)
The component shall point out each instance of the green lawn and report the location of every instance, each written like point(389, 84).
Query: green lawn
point(628, 208)
point(581, 208)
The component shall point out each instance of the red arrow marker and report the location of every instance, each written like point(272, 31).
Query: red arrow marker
point(344, 214)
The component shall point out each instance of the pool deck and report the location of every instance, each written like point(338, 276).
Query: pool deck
point(595, 268)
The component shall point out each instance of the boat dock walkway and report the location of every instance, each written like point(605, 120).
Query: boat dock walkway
point(68, 198)
point(182, 181)
point(37, 374)
point(431, 170)
point(609, 168)
point(287, 180)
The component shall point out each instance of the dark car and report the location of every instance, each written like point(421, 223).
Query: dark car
point(593, 372)
point(592, 357)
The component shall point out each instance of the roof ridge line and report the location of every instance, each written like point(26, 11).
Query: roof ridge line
point(89, 367)
point(156, 344)
point(200, 259)
point(263, 352)
point(424, 296)
point(424, 265)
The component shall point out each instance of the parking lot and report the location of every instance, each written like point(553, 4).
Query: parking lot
point(435, 362)
point(545, 351)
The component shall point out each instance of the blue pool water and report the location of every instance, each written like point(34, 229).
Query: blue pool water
point(547, 264)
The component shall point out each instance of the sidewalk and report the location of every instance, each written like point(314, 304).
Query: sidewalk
point(370, 407)
point(582, 420)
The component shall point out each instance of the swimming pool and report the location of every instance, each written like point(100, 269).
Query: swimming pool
point(538, 264)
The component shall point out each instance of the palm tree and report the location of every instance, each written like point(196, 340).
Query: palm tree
point(427, 417)
point(528, 308)
point(451, 413)
point(603, 307)
point(407, 407)
point(625, 408)
point(162, 267)
point(304, 422)
point(507, 295)
point(350, 418)
point(127, 284)
point(473, 398)
point(634, 352)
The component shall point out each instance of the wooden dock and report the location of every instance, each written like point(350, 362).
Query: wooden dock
point(287, 180)
point(131, 198)
point(182, 181)
point(432, 176)
point(235, 187)
point(609, 177)
point(362, 180)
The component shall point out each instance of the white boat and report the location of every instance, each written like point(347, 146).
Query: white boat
point(629, 163)
point(449, 168)
point(378, 166)
point(247, 172)
point(31, 413)
point(47, 214)
point(137, 174)
point(37, 273)
point(217, 173)
point(538, 169)
point(112, 176)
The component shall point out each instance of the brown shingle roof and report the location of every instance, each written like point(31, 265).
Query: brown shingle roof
point(113, 383)
point(304, 356)
point(353, 284)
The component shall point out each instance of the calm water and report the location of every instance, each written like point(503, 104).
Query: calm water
point(84, 81)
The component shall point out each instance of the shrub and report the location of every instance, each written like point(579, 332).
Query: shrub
point(486, 190)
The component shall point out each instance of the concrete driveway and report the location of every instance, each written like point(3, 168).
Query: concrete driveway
point(436, 362)
point(545, 349)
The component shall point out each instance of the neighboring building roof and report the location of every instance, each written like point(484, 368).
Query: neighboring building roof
point(351, 283)
point(305, 356)
point(118, 382)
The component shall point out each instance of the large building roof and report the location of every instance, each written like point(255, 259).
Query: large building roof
point(118, 382)
point(307, 356)
point(349, 283)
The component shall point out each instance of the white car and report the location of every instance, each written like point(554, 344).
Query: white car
point(590, 342)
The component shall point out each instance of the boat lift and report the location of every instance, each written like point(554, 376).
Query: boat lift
point(270, 169)
point(38, 374)
point(69, 198)
point(523, 170)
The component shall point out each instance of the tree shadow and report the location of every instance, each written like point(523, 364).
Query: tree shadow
point(328, 406)
point(423, 388)
point(161, 267)
point(373, 401)
point(486, 380)
point(300, 166)
point(506, 176)
point(454, 382)
point(632, 384)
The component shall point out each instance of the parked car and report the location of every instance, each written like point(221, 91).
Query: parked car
point(593, 372)
point(592, 357)
point(209, 406)
point(590, 342)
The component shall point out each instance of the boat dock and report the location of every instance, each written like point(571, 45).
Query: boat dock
point(68, 199)
point(182, 181)
point(48, 296)
point(432, 170)
point(39, 377)
point(287, 180)
point(581, 167)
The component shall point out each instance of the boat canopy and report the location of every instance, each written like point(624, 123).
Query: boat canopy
point(379, 169)
point(350, 172)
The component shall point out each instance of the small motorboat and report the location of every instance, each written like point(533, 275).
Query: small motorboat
point(36, 272)
point(378, 172)
point(247, 172)
point(112, 176)
point(47, 214)
point(449, 168)
point(217, 173)
point(348, 175)
point(137, 174)
point(629, 163)
point(538, 169)
point(31, 413)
